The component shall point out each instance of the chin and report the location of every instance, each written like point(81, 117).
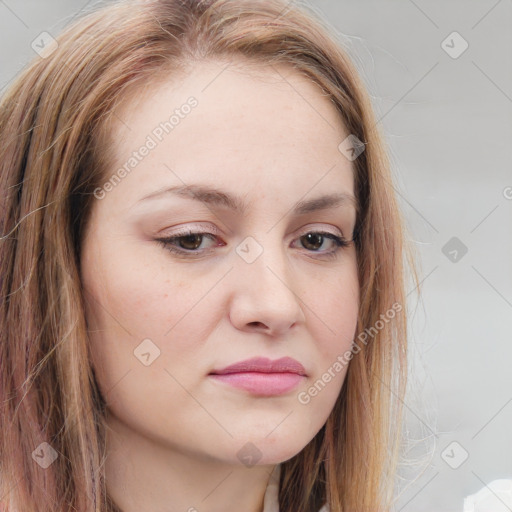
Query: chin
point(263, 451)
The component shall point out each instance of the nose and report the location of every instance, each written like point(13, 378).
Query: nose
point(265, 298)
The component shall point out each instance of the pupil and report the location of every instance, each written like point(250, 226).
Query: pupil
point(190, 238)
point(314, 237)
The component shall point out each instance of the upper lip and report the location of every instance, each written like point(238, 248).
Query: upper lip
point(264, 365)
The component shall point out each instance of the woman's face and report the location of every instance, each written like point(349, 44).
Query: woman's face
point(257, 282)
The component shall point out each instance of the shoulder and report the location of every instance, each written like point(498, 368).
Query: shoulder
point(490, 498)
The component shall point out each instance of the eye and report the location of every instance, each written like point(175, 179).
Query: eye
point(188, 244)
point(315, 239)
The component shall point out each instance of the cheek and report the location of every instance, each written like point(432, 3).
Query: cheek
point(335, 313)
point(334, 317)
point(132, 292)
point(128, 303)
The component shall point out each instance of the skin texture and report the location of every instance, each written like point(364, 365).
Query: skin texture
point(174, 434)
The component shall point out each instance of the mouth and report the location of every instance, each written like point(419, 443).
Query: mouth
point(258, 383)
point(264, 365)
point(261, 376)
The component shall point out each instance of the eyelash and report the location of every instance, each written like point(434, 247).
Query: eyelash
point(169, 243)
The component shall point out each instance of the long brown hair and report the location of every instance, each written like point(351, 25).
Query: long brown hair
point(53, 127)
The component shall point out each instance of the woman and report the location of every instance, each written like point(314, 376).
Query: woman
point(145, 370)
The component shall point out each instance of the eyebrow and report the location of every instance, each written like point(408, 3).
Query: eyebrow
point(216, 197)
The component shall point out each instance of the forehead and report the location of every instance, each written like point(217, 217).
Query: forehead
point(253, 126)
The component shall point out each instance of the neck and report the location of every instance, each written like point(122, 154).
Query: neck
point(143, 474)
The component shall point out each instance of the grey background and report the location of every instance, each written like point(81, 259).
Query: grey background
point(448, 124)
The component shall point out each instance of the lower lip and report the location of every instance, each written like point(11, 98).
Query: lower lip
point(266, 384)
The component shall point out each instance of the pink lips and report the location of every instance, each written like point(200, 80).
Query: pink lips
point(261, 376)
